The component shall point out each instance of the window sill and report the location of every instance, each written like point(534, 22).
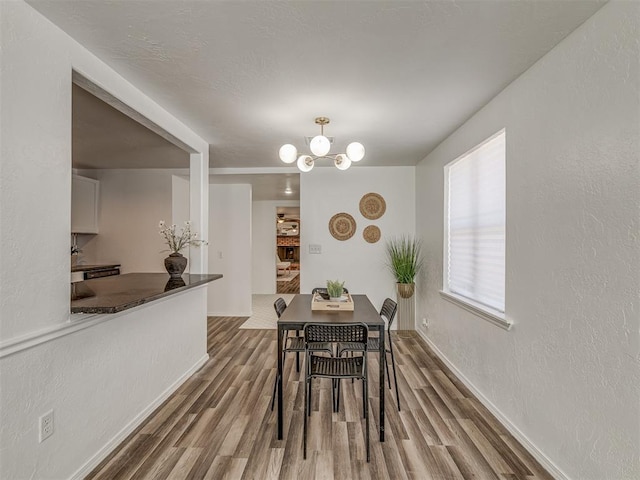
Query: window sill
point(482, 311)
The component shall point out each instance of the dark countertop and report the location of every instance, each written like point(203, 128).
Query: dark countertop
point(121, 292)
point(86, 268)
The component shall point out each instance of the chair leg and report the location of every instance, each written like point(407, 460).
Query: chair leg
point(337, 405)
point(395, 377)
point(364, 397)
point(306, 403)
point(333, 395)
point(273, 395)
point(308, 398)
point(386, 366)
point(366, 415)
point(298, 355)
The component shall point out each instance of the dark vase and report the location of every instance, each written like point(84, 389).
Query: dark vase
point(175, 264)
point(174, 283)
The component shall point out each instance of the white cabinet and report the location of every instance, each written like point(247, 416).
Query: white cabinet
point(84, 204)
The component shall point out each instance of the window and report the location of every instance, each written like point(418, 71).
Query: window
point(475, 225)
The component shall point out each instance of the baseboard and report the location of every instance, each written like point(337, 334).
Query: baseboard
point(94, 461)
point(513, 430)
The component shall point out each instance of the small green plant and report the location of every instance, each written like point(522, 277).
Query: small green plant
point(403, 258)
point(334, 288)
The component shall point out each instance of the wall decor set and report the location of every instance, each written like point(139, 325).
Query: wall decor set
point(342, 226)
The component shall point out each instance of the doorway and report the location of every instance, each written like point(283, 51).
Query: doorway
point(288, 249)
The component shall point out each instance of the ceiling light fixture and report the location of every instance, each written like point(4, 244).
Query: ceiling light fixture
point(320, 146)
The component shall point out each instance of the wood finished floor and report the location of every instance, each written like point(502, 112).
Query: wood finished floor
point(292, 286)
point(219, 425)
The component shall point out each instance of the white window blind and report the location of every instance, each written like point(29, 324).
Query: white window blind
point(476, 223)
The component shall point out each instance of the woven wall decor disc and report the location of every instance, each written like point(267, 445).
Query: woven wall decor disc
point(371, 234)
point(372, 206)
point(342, 226)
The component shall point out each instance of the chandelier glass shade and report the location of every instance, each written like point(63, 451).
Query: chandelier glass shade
point(288, 153)
point(305, 163)
point(342, 161)
point(320, 147)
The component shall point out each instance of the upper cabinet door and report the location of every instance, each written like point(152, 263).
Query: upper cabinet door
point(84, 204)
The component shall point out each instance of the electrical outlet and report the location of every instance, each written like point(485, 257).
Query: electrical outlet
point(46, 426)
point(425, 323)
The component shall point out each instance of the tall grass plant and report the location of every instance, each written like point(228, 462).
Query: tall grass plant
point(404, 258)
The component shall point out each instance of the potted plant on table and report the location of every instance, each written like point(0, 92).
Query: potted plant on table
point(176, 263)
point(335, 288)
point(404, 260)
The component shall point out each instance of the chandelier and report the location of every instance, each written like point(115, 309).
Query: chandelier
point(320, 146)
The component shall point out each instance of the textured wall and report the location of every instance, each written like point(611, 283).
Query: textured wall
point(99, 379)
point(568, 374)
point(35, 185)
point(326, 191)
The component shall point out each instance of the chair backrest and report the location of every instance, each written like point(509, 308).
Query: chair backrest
point(388, 311)
point(280, 306)
point(324, 290)
point(332, 332)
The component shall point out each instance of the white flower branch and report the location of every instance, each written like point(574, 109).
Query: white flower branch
point(178, 241)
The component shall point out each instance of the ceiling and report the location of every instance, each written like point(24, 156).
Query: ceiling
point(264, 186)
point(103, 137)
point(249, 76)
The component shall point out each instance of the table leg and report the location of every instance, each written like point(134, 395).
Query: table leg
point(279, 377)
point(383, 359)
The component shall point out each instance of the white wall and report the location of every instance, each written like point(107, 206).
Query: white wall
point(327, 191)
point(132, 202)
point(36, 161)
point(567, 374)
point(42, 367)
point(100, 382)
point(263, 244)
point(230, 250)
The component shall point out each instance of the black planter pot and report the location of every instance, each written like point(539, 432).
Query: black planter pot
point(173, 283)
point(175, 265)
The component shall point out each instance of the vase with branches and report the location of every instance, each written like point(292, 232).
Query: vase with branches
point(178, 240)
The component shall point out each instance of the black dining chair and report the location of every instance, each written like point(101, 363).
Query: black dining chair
point(293, 345)
point(336, 368)
point(324, 292)
point(388, 312)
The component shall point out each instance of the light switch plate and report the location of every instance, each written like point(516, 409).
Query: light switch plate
point(315, 249)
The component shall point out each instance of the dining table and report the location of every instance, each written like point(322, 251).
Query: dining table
point(299, 313)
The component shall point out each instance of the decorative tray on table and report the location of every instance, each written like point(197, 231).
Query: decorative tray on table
point(344, 304)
